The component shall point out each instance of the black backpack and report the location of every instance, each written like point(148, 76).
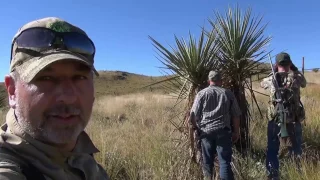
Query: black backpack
point(28, 170)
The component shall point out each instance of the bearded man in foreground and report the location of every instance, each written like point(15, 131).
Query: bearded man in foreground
point(51, 95)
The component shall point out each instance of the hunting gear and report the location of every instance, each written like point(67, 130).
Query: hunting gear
point(285, 111)
point(213, 111)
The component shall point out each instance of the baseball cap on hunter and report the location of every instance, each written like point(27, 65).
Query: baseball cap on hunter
point(283, 58)
point(42, 42)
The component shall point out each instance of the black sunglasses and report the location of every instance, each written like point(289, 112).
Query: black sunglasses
point(44, 38)
point(284, 63)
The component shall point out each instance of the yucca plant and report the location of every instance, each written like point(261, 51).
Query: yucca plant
point(235, 45)
point(190, 62)
point(241, 53)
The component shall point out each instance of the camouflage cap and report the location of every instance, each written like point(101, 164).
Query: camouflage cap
point(29, 66)
point(283, 58)
point(214, 76)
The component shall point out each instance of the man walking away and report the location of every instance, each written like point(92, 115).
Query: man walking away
point(212, 112)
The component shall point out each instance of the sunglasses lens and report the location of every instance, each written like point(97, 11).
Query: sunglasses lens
point(80, 43)
point(43, 38)
point(35, 38)
point(284, 63)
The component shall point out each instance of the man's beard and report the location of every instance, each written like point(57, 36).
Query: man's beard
point(46, 130)
point(61, 135)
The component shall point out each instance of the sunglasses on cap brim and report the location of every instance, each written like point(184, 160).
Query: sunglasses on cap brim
point(284, 63)
point(44, 38)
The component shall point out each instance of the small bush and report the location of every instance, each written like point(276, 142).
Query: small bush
point(315, 70)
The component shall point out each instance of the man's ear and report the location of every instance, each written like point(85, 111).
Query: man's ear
point(11, 90)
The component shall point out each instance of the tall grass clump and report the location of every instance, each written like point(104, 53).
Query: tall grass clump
point(136, 139)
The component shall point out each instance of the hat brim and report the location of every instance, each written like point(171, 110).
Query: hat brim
point(28, 70)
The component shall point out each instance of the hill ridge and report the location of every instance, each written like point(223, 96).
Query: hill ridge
point(113, 83)
point(117, 82)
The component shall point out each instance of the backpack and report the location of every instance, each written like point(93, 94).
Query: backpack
point(27, 169)
point(291, 101)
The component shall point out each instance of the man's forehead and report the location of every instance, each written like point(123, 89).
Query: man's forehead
point(58, 66)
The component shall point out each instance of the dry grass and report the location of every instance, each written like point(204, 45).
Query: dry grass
point(2, 116)
point(136, 139)
point(313, 77)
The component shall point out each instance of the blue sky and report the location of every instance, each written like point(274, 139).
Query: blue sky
point(120, 29)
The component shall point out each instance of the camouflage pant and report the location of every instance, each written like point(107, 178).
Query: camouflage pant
point(292, 144)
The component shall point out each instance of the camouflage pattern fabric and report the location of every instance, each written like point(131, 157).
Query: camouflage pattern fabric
point(28, 66)
point(289, 83)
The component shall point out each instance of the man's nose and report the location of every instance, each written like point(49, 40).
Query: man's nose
point(66, 92)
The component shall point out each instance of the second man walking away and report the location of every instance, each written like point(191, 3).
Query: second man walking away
point(214, 110)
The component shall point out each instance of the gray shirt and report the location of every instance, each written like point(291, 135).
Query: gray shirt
point(215, 106)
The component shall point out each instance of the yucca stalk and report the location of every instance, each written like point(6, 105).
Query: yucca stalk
point(242, 50)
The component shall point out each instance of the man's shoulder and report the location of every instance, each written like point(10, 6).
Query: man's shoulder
point(9, 167)
point(207, 90)
point(298, 78)
point(9, 171)
point(228, 93)
point(202, 91)
point(13, 166)
point(220, 89)
point(217, 90)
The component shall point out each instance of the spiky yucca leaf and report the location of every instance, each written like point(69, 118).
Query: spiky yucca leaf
point(190, 61)
point(242, 44)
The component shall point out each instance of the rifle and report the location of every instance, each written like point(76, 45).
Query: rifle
point(281, 112)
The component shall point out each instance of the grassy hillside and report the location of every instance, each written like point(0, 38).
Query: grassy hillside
point(114, 83)
point(119, 83)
